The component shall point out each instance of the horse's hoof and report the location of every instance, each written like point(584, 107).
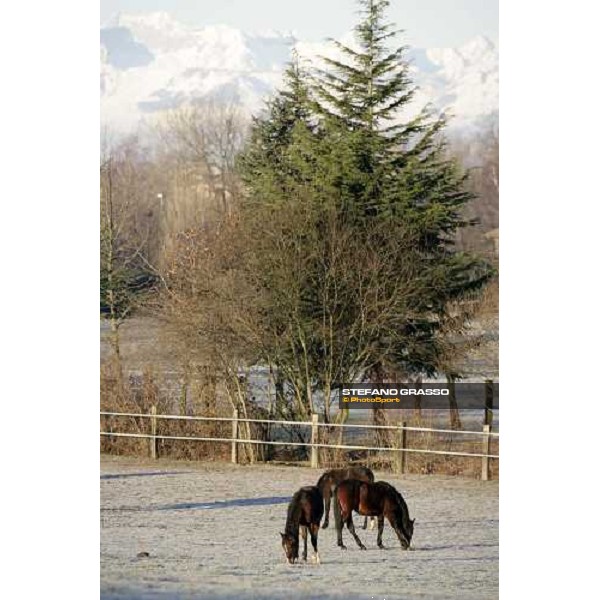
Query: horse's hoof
point(325, 526)
point(342, 546)
point(143, 554)
point(363, 547)
point(381, 546)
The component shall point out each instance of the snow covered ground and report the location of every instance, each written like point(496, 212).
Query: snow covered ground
point(211, 531)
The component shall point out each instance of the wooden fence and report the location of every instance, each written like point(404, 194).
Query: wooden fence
point(400, 446)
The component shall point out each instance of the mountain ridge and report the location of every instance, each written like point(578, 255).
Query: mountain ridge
point(150, 62)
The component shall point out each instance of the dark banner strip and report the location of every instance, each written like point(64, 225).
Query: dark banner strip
point(464, 396)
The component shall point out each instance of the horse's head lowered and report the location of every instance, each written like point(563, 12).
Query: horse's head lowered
point(290, 547)
point(406, 533)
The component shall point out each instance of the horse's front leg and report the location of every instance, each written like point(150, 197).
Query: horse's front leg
point(380, 531)
point(365, 523)
point(350, 525)
point(314, 535)
point(305, 550)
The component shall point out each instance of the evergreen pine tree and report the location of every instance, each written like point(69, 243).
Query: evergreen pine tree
point(397, 170)
point(266, 166)
point(337, 137)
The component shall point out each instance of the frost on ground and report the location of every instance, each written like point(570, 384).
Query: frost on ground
point(211, 531)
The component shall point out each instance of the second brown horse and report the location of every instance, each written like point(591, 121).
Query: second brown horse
point(378, 499)
point(331, 478)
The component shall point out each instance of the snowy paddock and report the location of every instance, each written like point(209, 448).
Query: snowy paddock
point(211, 530)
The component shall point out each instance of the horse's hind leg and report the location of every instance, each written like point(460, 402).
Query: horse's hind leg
point(327, 502)
point(365, 523)
point(303, 533)
point(314, 535)
point(379, 531)
point(340, 541)
point(350, 525)
point(339, 520)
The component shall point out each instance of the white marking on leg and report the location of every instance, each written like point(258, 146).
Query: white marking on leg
point(317, 558)
point(372, 526)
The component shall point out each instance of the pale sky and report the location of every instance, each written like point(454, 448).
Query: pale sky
point(427, 23)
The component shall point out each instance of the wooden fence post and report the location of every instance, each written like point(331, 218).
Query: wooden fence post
point(153, 439)
point(485, 449)
point(488, 415)
point(314, 439)
point(234, 436)
point(401, 445)
point(103, 427)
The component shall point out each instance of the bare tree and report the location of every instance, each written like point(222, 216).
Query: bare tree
point(294, 288)
point(126, 225)
point(204, 140)
point(481, 155)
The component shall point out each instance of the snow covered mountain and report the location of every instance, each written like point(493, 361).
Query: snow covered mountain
point(150, 63)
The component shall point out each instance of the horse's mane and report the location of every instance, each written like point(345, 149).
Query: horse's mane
point(403, 508)
point(293, 517)
point(401, 502)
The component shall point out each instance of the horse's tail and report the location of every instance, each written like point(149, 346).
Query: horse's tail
point(337, 510)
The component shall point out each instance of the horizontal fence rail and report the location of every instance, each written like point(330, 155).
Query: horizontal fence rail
point(313, 444)
point(286, 443)
point(224, 419)
point(408, 428)
point(305, 423)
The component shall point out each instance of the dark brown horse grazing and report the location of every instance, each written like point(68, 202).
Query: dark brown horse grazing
point(379, 499)
point(329, 480)
point(304, 512)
